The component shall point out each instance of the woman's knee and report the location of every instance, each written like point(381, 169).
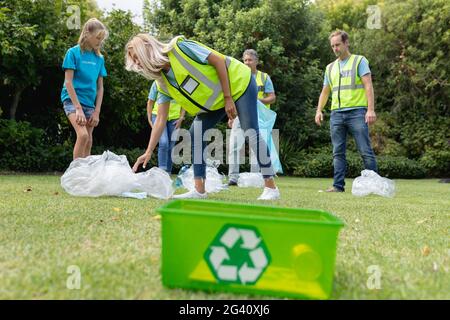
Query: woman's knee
point(83, 136)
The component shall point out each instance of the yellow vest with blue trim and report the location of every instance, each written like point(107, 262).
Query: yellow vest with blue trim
point(199, 87)
point(174, 110)
point(346, 86)
point(261, 78)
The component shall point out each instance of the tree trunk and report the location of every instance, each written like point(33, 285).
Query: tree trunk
point(15, 102)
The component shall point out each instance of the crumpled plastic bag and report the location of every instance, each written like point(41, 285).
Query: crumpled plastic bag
point(111, 175)
point(214, 180)
point(155, 182)
point(266, 121)
point(250, 180)
point(370, 182)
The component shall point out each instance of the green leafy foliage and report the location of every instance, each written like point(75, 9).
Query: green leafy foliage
point(320, 164)
point(406, 55)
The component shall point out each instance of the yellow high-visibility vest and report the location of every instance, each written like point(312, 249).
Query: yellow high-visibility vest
point(261, 78)
point(199, 88)
point(174, 110)
point(347, 87)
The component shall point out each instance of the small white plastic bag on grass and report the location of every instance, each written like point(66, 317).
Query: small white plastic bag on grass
point(250, 180)
point(370, 182)
point(213, 182)
point(111, 175)
point(156, 183)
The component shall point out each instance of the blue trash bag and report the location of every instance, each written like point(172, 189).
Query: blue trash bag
point(266, 120)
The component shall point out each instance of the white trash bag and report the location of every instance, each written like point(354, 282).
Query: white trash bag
point(156, 183)
point(214, 180)
point(99, 175)
point(370, 182)
point(250, 180)
point(111, 175)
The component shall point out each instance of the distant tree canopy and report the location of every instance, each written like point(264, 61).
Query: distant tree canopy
point(406, 54)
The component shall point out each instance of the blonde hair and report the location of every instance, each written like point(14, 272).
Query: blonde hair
point(92, 27)
point(150, 55)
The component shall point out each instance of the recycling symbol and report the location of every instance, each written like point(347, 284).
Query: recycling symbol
point(237, 254)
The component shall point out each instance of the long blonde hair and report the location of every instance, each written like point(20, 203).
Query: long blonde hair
point(92, 27)
point(150, 55)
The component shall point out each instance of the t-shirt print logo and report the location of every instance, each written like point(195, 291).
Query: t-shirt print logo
point(89, 62)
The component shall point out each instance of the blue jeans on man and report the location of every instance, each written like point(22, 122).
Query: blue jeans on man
point(353, 122)
point(165, 145)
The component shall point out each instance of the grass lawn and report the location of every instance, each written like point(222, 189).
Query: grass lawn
point(116, 242)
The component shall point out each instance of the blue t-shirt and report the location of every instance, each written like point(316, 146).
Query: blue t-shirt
point(153, 93)
point(88, 68)
point(268, 85)
point(194, 51)
point(363, 69)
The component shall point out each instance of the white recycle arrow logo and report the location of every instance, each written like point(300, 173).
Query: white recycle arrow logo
point(245, 273)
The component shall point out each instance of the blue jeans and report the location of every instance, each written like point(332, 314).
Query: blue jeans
point(353, 122)
point(70, 108)
point(166, 145)
point(247, 111)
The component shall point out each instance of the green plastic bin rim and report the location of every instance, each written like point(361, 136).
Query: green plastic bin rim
point(246, 211)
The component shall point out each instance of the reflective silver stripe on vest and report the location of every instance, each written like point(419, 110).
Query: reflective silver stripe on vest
point(329, 72)
point(354, 73)
point(227, 61)
point(348, 87)
point(216, 88)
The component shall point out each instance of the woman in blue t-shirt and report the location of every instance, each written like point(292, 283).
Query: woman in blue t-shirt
point(82, 93)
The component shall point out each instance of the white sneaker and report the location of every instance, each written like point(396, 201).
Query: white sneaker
point(193, 194)
point(270, 194)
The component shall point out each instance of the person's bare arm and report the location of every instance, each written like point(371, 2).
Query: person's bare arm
point(371, 116)
point(219, 63)
point(158, 129)
point(270, 99)
point(322, 102)
point(68, 81)
point(180, 119)
point(150, 104)
point(95, 118)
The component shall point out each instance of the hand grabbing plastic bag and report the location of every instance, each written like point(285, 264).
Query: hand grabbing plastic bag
point(370, 182)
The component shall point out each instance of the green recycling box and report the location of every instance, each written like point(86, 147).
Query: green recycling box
point(254, 249)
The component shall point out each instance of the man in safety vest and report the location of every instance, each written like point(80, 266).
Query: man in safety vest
point(352, 108)
point(266, 94)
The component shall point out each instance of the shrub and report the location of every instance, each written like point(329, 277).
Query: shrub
point(21, 146)
point(321, 165)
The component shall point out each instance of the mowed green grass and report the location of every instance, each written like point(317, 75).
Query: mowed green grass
point(116, 242)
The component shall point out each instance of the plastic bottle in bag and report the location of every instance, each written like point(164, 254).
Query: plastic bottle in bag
point(178, 181)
